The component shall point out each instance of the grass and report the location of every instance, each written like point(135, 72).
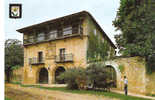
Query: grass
point(18, 83)
point(152, 95)
point(7, 98)
point(92, 92)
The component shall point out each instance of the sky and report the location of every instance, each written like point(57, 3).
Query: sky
point(37, 11)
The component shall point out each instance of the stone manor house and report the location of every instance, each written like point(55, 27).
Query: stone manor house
point(53, 46)
point(56, 45)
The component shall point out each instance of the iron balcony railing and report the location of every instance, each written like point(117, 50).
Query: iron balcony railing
point(35, 60)
point(64, 58)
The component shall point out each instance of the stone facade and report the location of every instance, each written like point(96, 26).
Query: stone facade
point(78, 45)
point(74, 43)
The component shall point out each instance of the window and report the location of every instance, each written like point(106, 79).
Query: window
point(62, 51)
point(30, 60)
point(40, 57)
point(31, 38)
point(62, 54)
point(53, 34)
point(40, 37)
point(67, 30)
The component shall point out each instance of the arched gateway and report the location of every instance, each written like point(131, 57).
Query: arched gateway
point(43, 76)
point(115, 73)
point(59, 71)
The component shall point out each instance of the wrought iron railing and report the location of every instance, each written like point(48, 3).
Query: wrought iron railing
point(64, 58)
point(36, 60)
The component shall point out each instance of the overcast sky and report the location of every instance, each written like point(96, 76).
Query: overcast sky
point(36, 11)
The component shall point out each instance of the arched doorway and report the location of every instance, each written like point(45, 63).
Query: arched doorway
point(43, 76)
point(59, 71)
point(113, 75)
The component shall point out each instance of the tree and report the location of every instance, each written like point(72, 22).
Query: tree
point(14, 56)
point(136, 20)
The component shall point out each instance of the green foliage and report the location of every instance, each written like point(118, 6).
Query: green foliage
point(73, 77)
point(6, 98)
point(15, 67)
point(14, 55)
point(98, 76)
point(95, 75)
point(97, 49)
point(136, 21)
point(121, 68)
point(150, 64)
point(153, 95)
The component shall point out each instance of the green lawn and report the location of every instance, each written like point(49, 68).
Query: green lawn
point(108, 94)
point(7, 98)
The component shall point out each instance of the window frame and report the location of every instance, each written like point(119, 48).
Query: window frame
point(67, 30)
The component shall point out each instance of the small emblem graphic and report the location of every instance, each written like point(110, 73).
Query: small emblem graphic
point(15, 11)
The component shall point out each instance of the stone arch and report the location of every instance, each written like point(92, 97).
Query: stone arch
point(113, 75)
point(118, 73)
point(58, 70)
point(42, 76)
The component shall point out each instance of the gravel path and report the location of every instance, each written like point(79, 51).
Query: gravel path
point(16, 92)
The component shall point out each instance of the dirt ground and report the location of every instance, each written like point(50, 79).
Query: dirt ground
point(16, 92)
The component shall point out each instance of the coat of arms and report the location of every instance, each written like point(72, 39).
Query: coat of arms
point(15, 10)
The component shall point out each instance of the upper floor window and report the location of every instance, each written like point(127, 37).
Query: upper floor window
point(67, 30)
point(31, 38)
point(53, 34)
point(40, 56)
point(62, 54)
point(40, 36)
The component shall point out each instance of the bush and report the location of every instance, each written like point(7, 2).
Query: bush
point(95, 75)
point(98, 76)
point(74, 77)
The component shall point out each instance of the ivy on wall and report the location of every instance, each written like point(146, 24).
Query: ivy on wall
point(121, 68)
point(97, 48)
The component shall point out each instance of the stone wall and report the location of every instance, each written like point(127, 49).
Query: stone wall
point(134, 68)
point(150, 83)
